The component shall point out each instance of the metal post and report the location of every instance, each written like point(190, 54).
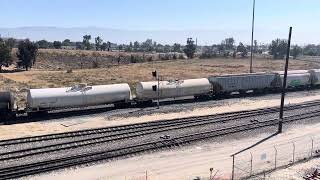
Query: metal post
point(252, 32)
point(311, 147)
point(293, 152)
point(211, 169)
point(275, 157)
point(146, 175)
point(232, 175)
point(158, 89)
point(284, 83)
point(251, 164)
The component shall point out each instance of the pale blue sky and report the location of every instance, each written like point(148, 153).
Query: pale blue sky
point(273, 17)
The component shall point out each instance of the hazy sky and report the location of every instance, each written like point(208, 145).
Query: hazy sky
point(273, 17)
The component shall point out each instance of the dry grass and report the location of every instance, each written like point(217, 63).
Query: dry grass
point(132, 73)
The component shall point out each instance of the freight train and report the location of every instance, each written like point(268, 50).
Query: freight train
point(48, 99)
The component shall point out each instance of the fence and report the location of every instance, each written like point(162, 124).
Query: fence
point(260, 160)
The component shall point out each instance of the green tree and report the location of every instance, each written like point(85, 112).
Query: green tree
point(242, 49)
point(66, 42)
point(136, 46)
point(98, 42)
point(5, 54)
point(176, 47)
point(27, 54)
point(311, 50)
point(79, 45)
point(11, 42)
point(190, 48)
point(86, 42)
point(104, 46)
point(109, 45)
point(147, 45)
point(296, 51)
point(229, 43)
point(43, 44)
point(278, 48)
point(57, 44)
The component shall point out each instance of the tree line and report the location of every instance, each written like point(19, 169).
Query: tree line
point(26, 53)
point(27, 50)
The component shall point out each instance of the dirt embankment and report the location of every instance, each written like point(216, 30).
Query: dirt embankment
point(51, 59)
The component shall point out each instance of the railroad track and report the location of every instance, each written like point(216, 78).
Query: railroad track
point(45, 166)
point(124, 134)
point(240, 114)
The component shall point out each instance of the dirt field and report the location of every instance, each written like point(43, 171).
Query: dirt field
point(18, 82)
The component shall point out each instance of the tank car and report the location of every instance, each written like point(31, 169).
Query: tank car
point(6, 105)
point(171, 89)
point(297, 79)
point(315, 77)
point(77, 96)
point(225, 84)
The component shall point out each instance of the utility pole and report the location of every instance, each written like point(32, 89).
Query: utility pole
point(252, 32)
point(284, 83)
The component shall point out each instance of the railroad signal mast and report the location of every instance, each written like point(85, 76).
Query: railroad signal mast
point(156, 88)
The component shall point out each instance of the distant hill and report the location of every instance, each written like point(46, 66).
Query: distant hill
point(120, 36)
point(205, 37)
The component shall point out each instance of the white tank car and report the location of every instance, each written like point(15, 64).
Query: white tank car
point(172, 89)
point(243, 82)
point(315, 76)
point(77, 96)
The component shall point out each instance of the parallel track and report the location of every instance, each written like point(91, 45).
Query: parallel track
point(45, 166)
point(132, 133)
point(141, 126)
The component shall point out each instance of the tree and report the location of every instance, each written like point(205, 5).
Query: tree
point(296, 51)
point(79, 45)
point(221, 49)
point(66, 42)
point(176, 47)
point(57, 44)
point(43, 44)
point(190, 48)
point(311, 50)
point(5, 54)
point(86, 42)
point(27, 54)
point(229, 43)
point(147, 45)
point(98, 42)
point(104, 46)
point(11, 42)
point(136, 46)
point(167, 48)
point(278, 48)
point(242, 49)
